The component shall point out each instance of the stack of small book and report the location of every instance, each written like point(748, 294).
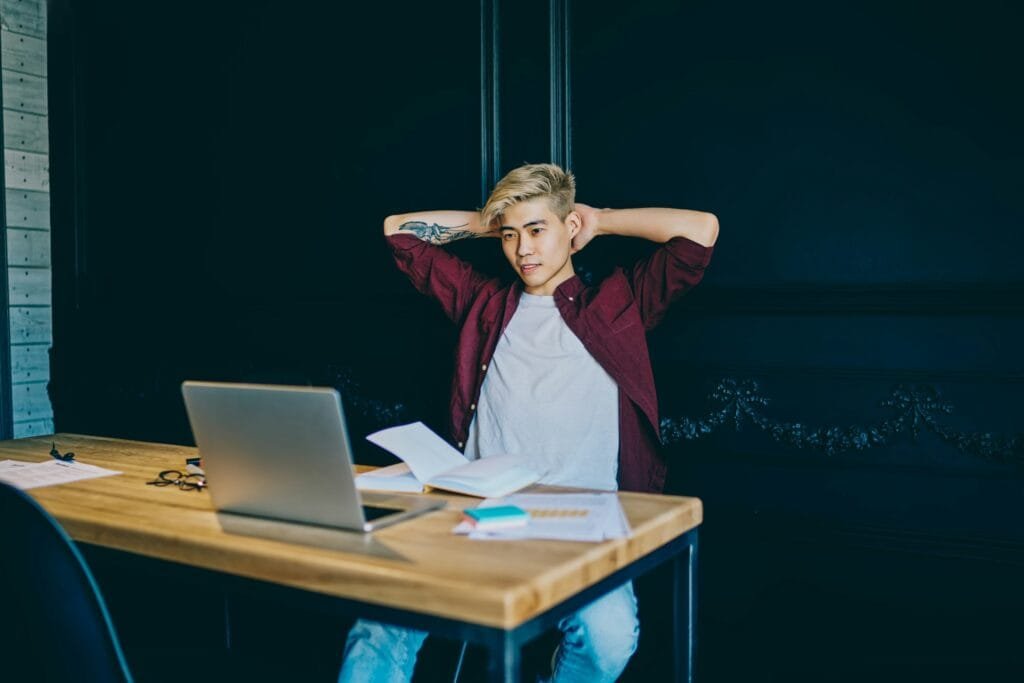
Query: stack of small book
point(590, 517)
point(497, 517)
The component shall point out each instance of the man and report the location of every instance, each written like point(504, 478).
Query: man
point(551, 369)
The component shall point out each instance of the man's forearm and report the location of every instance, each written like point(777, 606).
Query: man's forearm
point(437, 227)
point(659, 225)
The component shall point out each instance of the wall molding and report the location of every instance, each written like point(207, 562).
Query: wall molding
point(822, 299)
point(559, 80)
point(559, 90)
point(788, 372)
point(490, 63)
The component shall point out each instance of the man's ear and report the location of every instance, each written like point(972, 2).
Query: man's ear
point(575, 222)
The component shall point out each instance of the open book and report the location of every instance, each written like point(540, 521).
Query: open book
point(428, 461)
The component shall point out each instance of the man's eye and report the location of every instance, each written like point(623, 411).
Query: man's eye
point(537, 230)
point(507, 235)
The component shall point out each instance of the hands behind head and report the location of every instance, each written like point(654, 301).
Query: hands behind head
point(588, 226)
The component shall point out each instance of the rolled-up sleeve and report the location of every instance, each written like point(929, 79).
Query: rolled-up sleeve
point(434, 271)
point(672, 270)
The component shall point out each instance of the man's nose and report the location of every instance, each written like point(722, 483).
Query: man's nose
point(525, 246)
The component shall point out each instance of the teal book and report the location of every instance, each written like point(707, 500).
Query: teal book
point(503, 516)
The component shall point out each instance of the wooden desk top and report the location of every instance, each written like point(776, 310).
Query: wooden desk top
point(418, 565)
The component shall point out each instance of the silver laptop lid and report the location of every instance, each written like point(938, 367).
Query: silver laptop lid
point(278, 452)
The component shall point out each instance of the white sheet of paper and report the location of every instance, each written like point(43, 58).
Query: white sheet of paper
point(48, 473)
point(426, 453)
point(13, 464)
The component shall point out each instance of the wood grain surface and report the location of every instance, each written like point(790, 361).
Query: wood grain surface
point(418, 565)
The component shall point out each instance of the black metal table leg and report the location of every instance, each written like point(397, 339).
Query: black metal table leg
point(684, 611)
point(227, 620)
point(503, 660)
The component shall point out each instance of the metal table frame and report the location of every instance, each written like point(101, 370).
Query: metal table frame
point(504, 646)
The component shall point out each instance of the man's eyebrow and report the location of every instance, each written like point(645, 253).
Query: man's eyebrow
point(538, 221)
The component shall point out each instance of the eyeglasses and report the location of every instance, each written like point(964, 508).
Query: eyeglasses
point(184, 481)
point(67, 457)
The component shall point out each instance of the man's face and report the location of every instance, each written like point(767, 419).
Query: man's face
point(538, 244)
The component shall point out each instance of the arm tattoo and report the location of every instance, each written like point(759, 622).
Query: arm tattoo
point(435, 233)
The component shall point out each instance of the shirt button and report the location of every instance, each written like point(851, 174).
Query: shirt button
point(460, 444)
point(483, 367)
point(570, 298)
point(472, 406)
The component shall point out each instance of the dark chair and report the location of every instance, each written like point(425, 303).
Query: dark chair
point(54, 625)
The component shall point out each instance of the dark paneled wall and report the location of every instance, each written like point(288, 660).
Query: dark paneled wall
point(220, 173)
point(231, 175)
point(864, 160)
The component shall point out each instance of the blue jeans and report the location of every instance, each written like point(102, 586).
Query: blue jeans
point(597, 642)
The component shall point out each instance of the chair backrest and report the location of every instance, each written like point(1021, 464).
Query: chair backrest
point(54, 625)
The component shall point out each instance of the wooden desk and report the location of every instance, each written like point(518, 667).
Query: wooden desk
point(417, 573)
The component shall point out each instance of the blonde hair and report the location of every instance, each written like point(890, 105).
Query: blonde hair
point(530, 182)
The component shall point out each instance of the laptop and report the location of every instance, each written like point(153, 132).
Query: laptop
point(282, 454)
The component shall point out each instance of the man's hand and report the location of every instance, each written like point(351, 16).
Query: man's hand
point(588, 226)
point(657, 225)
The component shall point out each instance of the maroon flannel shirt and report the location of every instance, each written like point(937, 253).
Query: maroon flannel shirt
point(611, 320)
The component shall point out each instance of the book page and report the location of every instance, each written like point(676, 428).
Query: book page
point(497, 475)
point(426, 453)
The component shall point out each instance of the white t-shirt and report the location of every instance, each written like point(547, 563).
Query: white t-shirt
point(545, 397)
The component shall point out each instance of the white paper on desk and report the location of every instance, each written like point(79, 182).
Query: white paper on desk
point(426, 453)
point(48, 473)
point(589, 517)
point(13, 464)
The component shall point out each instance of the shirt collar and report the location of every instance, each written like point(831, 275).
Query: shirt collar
point(571, 288)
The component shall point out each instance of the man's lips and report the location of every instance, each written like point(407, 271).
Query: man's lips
point(528, 268)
